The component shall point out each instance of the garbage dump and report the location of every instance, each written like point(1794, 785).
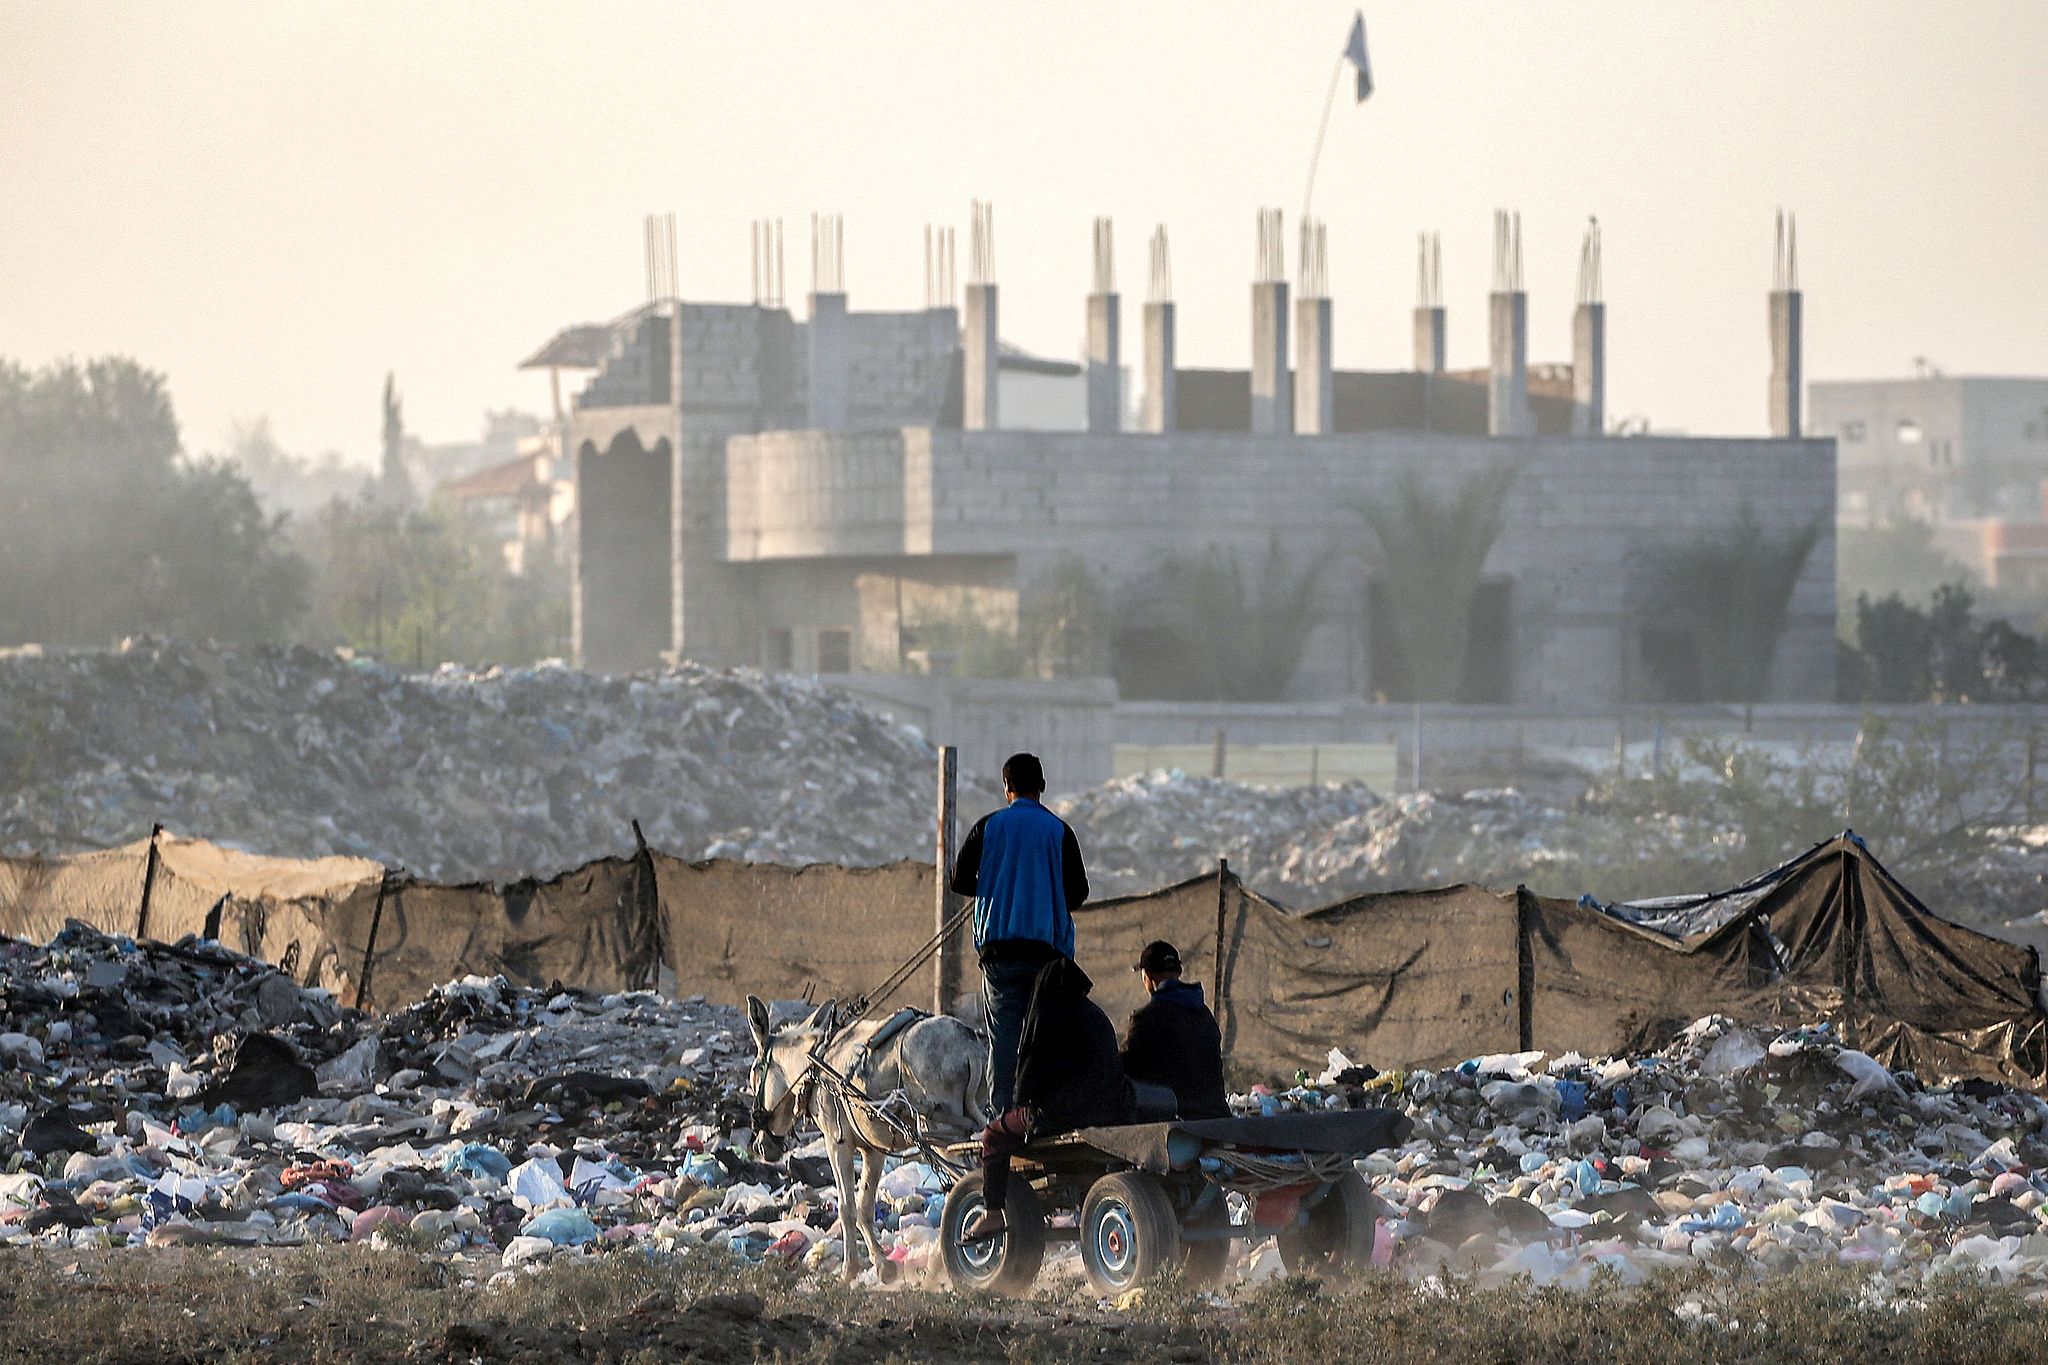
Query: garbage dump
point(456, 775)
point(1309, 846)
point(1156, 828)
point(160, 1095)
point(1751, 1151)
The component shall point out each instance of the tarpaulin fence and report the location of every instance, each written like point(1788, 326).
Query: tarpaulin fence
point(1405, 978)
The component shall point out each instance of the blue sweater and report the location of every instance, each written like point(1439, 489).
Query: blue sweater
point(1023, 867)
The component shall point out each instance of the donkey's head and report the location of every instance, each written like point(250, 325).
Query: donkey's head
point(782, 1057)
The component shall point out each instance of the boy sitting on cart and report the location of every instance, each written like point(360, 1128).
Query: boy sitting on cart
point(1069, 1075)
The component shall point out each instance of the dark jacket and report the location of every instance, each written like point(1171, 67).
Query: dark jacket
point(1067, 1065)
point(1173, 1041)
point(1023, 867)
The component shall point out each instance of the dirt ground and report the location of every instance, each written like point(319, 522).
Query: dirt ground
point(327, 1304)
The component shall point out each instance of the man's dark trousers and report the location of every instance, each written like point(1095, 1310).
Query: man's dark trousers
point(1005, 994)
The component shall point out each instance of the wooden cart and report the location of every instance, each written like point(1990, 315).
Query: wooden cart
point(1152, 1195)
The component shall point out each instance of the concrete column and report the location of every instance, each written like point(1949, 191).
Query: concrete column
point(1105, 375)
point(1432, 330)
point(1161, 391)
point(1315, 409)
point(1788, 371)
point(1507, 406)
point(1272, 394)
point(1430, 333)
point(978, 348)
point(830, 347)
point(1589, 369)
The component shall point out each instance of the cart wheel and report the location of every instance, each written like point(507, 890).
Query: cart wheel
point(1128, 1231)
point(1338, 1238)
point(1003, 1265)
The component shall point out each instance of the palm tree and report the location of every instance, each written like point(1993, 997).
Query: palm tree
point(1201, 628)
point(1432, 552)
point(1732, 590)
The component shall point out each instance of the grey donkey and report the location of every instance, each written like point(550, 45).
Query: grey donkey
point(936, 1064)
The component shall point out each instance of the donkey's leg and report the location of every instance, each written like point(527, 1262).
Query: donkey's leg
point(839, 1151)
point(871, 1160)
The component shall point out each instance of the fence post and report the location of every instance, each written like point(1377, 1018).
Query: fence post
point(647, 902)
point(1525, 971)
point(946, 963)
point(1415, 750)
point(2033, 753)
point(1216, 757)
point(370, 947)
point(1222, 916)
point(148, 882)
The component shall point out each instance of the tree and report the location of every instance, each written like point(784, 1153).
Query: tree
point(425, 586)
point(1432, 551)
point(396, 483)
point(1064, 622)
point(113, 533)
point(1199, 628)
point(1905, 654)
point(1898, 559)
point(1732, 591)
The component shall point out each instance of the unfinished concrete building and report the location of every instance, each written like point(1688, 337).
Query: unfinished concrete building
point(808, 493)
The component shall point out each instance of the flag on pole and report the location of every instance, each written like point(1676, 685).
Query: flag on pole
point(1354, 52)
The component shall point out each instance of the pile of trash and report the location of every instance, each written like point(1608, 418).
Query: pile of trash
point(159, 1095)
point(457, 775)
point(1744, 1150)
point(1140, 833)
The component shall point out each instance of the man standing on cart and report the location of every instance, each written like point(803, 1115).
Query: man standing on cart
point(1023, 867)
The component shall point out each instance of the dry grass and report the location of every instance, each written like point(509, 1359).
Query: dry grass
point(336, 1304)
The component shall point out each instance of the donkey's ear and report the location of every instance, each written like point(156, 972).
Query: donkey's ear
point(757, 1016)
point(823, 1016)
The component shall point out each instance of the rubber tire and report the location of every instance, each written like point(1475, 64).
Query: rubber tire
point(1338, 1238)
point(1017, 1255)
point(1138, 1203)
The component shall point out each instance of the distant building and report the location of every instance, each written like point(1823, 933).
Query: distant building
point(527, 501)
point(1937, 448)
point(757, 488)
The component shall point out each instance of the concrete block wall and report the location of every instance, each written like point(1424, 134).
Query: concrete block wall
point(1585, 514)
point(798, 494)
point(621, 610)
point(899, 369)
point(711, 602)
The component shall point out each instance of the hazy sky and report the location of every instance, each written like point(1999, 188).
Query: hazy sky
point(275, 203)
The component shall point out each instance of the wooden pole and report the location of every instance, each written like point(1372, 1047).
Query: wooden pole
point(946, 963)
point(1415, 749)
point(370, 947)
point(1222, 916)
point(2033, 753)
point(647, 905)
point(148, 882)
point(1216, 757)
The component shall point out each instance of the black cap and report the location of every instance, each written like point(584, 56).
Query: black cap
point(1159, 958)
